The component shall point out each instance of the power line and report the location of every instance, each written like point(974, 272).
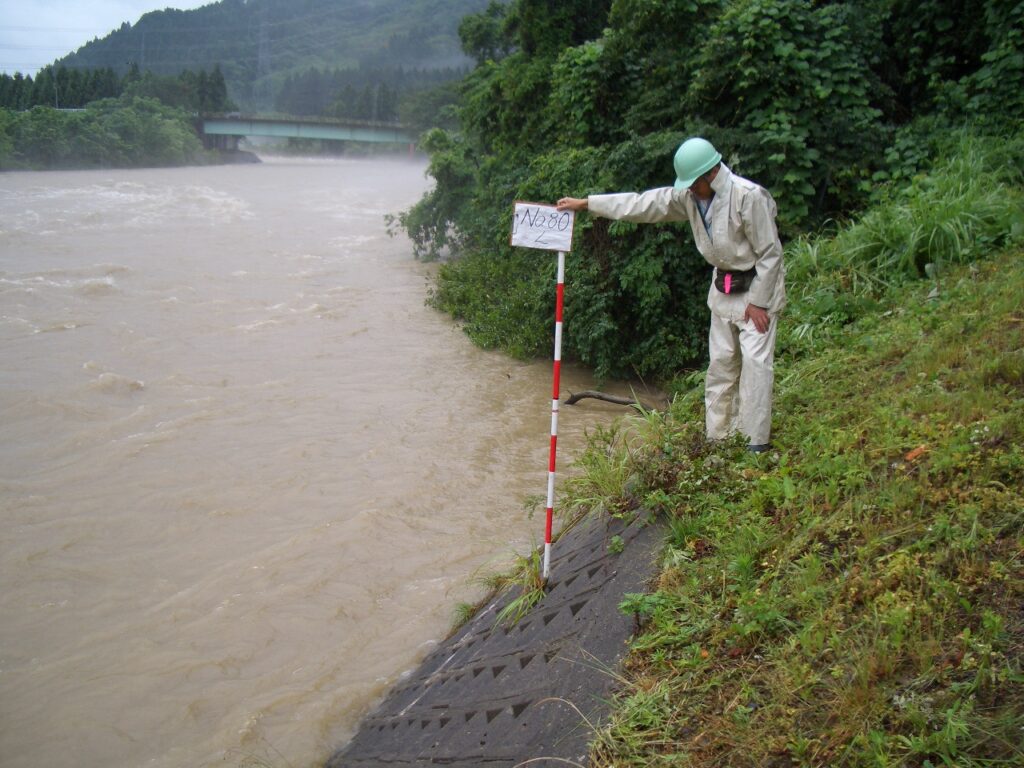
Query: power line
point(298, 36)
point(5, 47)
point(53, 29)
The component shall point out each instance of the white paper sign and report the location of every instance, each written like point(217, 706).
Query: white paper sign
point(542, 226)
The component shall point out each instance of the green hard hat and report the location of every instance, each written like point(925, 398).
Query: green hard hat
point(694, 157)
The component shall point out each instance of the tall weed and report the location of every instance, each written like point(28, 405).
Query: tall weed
point(964, 209)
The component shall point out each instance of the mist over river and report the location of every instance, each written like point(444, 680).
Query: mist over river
point(245, 473)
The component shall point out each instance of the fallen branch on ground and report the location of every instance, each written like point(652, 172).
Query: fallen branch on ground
point(575, 397)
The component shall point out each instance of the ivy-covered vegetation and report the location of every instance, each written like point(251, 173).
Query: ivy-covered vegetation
point(826, 104)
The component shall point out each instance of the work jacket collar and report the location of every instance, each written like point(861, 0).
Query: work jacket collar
point(722, 179)
point(717, 229)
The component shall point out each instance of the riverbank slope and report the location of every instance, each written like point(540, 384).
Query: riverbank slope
point(854, 597)
point(851, 598)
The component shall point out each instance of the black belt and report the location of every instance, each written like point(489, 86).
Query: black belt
point(736, 281)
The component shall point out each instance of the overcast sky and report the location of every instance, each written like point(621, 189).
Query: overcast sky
point(33, 33)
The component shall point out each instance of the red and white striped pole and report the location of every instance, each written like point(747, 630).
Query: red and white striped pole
point(559, 299)
point(535, 225)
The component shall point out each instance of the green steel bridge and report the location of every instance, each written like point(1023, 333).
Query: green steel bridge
point(222, 131)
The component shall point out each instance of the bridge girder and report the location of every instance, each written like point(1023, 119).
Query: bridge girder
point(293, 128)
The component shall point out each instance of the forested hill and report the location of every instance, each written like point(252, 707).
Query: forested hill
point(259, 43)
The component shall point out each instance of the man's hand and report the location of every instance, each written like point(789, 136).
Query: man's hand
point(572, 204)
point(759, 316)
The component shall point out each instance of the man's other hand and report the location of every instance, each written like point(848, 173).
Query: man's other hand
point(759, 316)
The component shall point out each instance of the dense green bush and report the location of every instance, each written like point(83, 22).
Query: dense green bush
point(821, 103)
point(109, 133)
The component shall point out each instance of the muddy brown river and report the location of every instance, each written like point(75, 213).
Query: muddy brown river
point(245, 472)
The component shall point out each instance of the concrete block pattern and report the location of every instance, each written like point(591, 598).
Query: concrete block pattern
point(495, 695)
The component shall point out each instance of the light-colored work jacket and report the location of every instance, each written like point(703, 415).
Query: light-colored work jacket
point(742, 233)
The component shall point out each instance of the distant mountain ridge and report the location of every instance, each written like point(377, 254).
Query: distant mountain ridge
point(259, 43)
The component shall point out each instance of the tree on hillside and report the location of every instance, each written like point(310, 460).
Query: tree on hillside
point(14, 91)
point(213, 95)
point(483, 35)
point(64, 88)
point(259, 45)
point(363, 94)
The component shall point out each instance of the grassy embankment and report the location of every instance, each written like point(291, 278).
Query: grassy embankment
point(856, 596)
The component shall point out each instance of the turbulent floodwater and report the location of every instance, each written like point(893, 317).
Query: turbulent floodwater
point(245, 473)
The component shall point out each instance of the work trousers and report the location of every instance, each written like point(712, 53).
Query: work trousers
point(738, 386)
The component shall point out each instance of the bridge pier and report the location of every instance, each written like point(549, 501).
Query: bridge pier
point(223, 142)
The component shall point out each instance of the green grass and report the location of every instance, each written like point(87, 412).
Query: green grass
point(521, 576)
point(856, 596)
point(526, 576)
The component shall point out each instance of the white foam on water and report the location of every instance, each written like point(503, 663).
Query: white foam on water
point(115, 384)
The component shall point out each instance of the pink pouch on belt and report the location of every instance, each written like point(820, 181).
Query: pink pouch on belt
point(734, 282)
